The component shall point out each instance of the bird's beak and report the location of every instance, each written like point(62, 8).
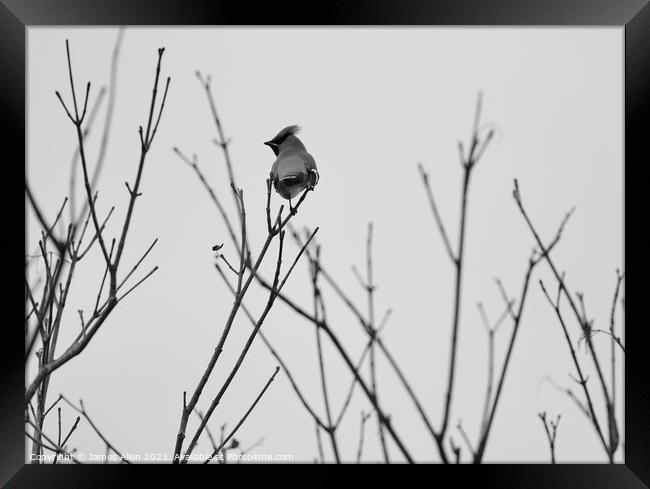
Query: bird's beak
point(274, 147)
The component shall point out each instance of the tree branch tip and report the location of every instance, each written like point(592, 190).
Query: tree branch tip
point(515, 192)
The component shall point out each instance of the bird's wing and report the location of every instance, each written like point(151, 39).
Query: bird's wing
point(274, 175)
point(310, 165)
point(274, 171)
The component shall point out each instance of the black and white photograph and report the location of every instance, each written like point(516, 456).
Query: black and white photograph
point(263, 244)
point(421, 228)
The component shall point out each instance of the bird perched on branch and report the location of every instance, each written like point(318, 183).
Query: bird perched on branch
point(294, 169)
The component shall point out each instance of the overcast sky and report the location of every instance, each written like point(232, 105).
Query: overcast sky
point(372, 102)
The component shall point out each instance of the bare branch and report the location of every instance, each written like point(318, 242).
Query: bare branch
point(364, 418)
point(135, 267)
point(193, 164)
point(136, 186)
point(241, 421)
point(153, 270)
point(584, 325)
point(583, 382)
point(551, 432)
point(94, 238)
point(468, 165)
point(277, 286)
point(436, 215)
point(463, 434)
point(516, 319)
point(199, 413)
point(275, 354)
point(353, 383)
point(319, 308)
point(223, 142)
point(81, 410)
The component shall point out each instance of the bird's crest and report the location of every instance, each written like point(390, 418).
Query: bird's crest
point(284, 133)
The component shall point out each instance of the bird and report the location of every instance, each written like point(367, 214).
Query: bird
point(294, 168)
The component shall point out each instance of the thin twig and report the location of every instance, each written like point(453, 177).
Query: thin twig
point(319, 310)
point(582, 380)
point(319, 443)
point(463, 434)
point(584, 325)
point(436, 215)
point(468, 162)
point(516, 319)
point(364, 418)
point(491, 332)
point(276, 288)
point(222, 141)
point(370, 288)
point(275, 354)
point(193, 164)
point(81, 410)
point(551, 432)
point(353, 383)
point(241, 421)
point(615, 339)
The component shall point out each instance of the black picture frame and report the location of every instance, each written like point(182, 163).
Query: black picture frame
point(633, 15)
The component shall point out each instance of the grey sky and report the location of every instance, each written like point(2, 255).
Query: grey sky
point(372, 103)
